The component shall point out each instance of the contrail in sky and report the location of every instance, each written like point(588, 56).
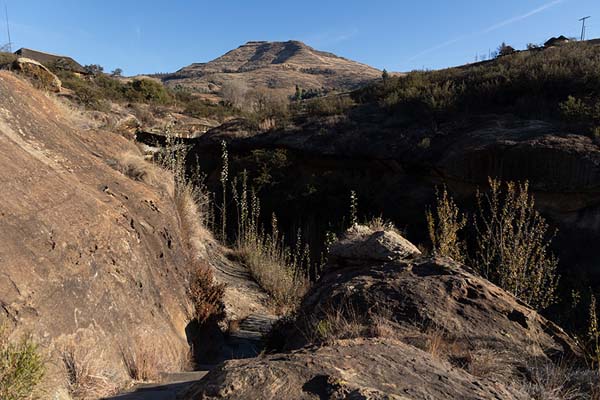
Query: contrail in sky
point(489, 29)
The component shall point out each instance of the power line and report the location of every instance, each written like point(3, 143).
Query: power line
point(7, 28)
point(583, 27)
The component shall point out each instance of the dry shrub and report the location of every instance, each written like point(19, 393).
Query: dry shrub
point(512, 244)
point(134, 166)
point(279, 269)
point(444, 227)
point(206, 295)
point(86, 376)
point(192, 203)
point(379, 224)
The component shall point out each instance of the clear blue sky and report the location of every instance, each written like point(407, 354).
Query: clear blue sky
point(163, 36)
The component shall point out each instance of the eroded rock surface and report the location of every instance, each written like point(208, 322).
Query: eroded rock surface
point(384, 322)
point(88, 255)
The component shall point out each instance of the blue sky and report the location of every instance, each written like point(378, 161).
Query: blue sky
point(163, 36)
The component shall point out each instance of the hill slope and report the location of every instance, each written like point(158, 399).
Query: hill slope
point(90, 257)
point(275, 65)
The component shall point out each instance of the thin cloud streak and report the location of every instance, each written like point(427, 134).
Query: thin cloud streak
point(439, 46)
point(489, 29)
point(522, 17)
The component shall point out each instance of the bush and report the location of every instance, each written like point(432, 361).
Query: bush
point(21, 367)
point(444, 227)
point(512, 244)
point(147, 91)
point(528, 83)
point(329, 105)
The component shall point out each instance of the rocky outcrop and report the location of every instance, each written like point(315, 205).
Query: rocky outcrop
point(90, 257)
point(384, 322)
point(38, 73)
point(377, 369)
point(361, 244)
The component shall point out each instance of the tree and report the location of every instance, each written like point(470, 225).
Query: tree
point(504, 50)
point(117, 72)
point(385, 75)
point(94, 69)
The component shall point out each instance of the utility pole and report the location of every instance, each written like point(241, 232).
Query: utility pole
point(7, 28)
point(583, 27)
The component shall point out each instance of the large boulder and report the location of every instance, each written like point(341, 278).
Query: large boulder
point(360, 369)
point(38, 73)
point(362, 244)
point(385, 322)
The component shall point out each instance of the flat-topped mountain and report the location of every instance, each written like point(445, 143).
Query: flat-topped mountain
point(274, 65)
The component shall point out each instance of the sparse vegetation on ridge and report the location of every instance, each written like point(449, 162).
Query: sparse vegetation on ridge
point(531, 83)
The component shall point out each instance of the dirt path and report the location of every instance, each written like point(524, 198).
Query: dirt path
point(245, 303)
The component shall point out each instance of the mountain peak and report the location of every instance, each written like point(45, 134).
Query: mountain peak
point(275, 65)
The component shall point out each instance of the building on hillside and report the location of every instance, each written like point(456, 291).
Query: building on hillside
point(556, 41)
point(53, 60)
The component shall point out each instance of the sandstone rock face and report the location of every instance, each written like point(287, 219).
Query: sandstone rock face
point(88, 255)
point(408, 327)
point(352, 369)
point(38, 73)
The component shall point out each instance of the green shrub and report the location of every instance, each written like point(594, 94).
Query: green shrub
point(147, 91)
point(21, 367)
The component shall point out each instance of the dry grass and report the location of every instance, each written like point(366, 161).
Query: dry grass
point(280, 270)
point(335, 322)
point(86, 375)
point(548, 381)
point(379, 224)
point(134, 166)
point(148, 355)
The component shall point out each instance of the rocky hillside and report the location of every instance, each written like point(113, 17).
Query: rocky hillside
point(274, 65)
point(93, 263)
point(385, 322)
point(521, 117)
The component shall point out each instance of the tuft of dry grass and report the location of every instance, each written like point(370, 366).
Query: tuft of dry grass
point(134, 166)
point(147, 356)
point(86, 376)
point(333, 322)
point(549, 381)
point(142, 360)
